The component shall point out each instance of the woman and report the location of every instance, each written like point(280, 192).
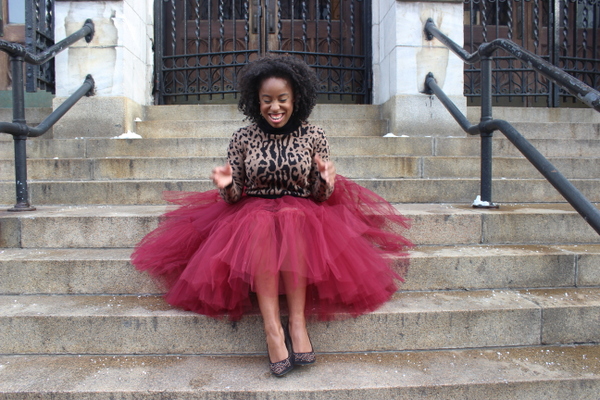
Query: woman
point(280, 223)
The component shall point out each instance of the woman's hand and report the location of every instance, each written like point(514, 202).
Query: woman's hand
point(326, 169)
point(222, 176)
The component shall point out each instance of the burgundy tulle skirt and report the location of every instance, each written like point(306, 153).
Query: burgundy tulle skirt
point(348, 250)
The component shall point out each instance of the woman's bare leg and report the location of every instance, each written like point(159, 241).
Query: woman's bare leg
point(295, 289)
point(267, 293)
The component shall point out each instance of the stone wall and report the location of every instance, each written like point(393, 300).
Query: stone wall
point(119, 58)
point(402, 58)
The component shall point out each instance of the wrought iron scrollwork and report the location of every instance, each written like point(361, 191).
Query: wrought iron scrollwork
point(206, 42)
point(39, 18)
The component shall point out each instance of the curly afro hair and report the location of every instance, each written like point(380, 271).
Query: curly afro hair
point(302, 78)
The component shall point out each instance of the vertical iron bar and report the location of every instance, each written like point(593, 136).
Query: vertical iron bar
point(486, 137)
point(368, 51)
point(279, 26)
point(469, 72)
point(353, 49)
point(341, 25)
point(293, 23)
point(221, 48)
point(234, 27)
point(246, 29)
point(593, 77)
point(303, 13)
point(20, 142)
point(185, 70)
point(510, 60)
point(536, 43)
point(554, 45)
point(524, 36)
point(197, 45)
point(329, 36)
point(317, 23)
point(159, 39)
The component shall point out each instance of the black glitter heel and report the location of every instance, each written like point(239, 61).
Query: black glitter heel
point(280, 368)
point(303, 358)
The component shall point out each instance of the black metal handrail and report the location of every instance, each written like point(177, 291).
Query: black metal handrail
point(487, 125)
point(19, 128)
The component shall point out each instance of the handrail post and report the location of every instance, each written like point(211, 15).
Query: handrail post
point(20, 141)
point(486, 136)
point(19, 129)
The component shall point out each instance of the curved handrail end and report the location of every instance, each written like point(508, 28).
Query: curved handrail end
point(90, 80)
point(89, 23)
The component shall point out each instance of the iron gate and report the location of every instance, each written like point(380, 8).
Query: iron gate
point(202, 45)
point(39, 35)
point(563, 32)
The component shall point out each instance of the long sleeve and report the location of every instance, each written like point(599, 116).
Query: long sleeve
point(235, 158)
point(320, 189)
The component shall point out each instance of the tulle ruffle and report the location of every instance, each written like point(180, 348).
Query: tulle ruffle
point(209, 253)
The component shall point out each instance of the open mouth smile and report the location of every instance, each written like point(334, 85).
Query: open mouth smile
point(276, 117)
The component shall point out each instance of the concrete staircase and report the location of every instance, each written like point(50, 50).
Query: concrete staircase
point(498, 304)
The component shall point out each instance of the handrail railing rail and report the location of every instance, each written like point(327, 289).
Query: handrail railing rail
point(18, 127)
point(583, 92)
point(487, 125)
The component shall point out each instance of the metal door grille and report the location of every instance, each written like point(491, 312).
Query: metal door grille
point(203, 44)
point(39, 35)
point(563, 32)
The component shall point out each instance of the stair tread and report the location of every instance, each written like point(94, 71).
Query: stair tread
point(522, 373)
point(401, 303)
point(408, 209)
point(470, 267)
point(118, 324)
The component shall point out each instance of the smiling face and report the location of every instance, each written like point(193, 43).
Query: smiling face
point(276, 101)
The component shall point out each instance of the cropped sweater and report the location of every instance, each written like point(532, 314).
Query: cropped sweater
point(274, 162)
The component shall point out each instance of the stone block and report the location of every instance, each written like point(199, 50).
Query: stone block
point(97, 117)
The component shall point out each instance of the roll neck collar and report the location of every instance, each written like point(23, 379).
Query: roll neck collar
point(288, 128)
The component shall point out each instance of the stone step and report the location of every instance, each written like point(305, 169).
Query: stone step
point(213, 147)
point(532, 123)
point(525, 373)
point(195, 168)
point(354, 127)
point(224, 128)
point(553, 130)
point(502, 147)
point(340, 146)
point(504, 167)
point(354, 167)
point(71, 324)
point(538, 114)
point(33, 115)
point(124, 226)
point(453, 267)
point(230, 112)
point(149, 192)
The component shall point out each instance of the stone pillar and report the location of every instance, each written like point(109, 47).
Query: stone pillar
point(119, 58)
point(402, 58)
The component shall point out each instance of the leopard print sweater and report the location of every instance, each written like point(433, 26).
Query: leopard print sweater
point(274, 165)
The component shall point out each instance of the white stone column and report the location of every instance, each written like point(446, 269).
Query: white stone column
point(402, 58)
point(119, 58)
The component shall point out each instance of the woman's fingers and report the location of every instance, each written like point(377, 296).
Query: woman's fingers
point(326, 169)
point(222, 176)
